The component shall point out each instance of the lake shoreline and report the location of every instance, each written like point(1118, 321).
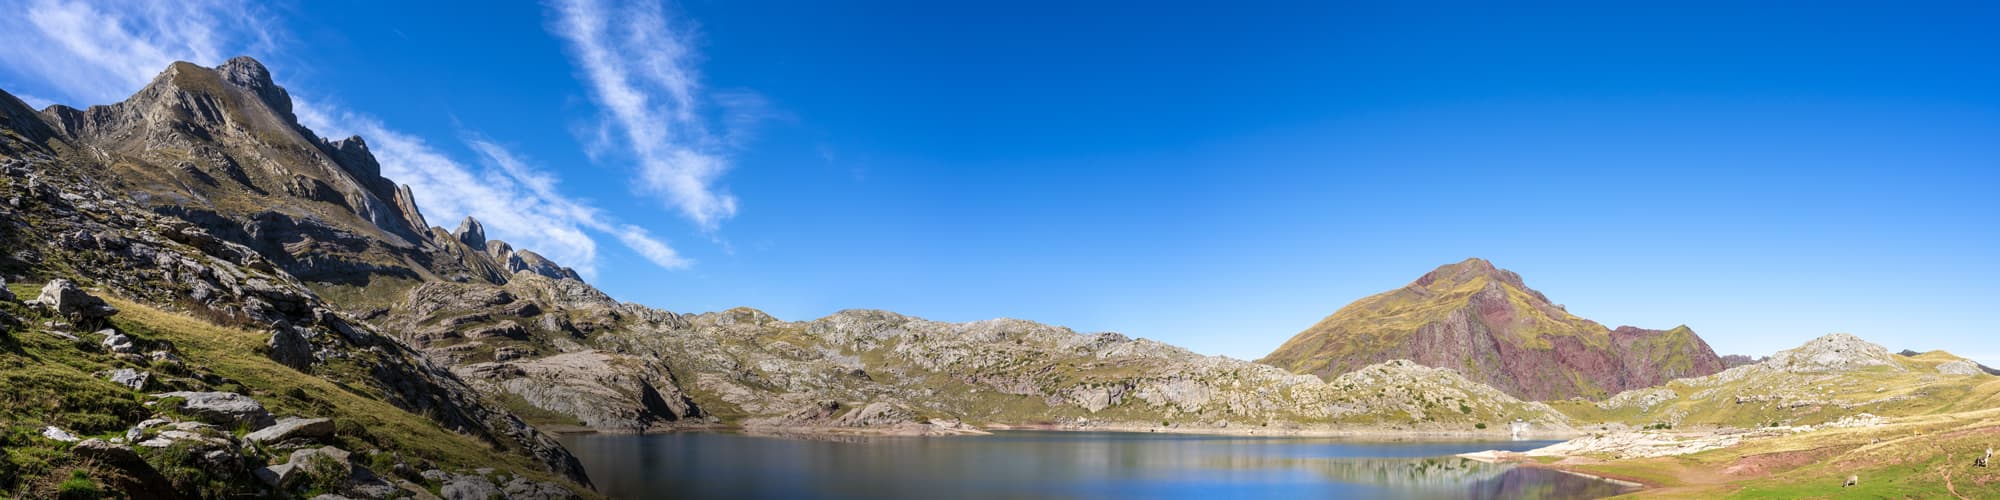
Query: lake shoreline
point(1086, 463)
point(929, 431)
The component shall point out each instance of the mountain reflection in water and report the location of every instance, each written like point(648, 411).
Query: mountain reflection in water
point(1019, 464)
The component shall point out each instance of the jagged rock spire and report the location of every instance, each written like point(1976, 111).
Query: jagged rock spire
point(251, 75)
point(471, 234)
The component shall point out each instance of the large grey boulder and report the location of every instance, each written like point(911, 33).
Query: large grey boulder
point(469, 487)
point(222, 408)
point(290, 347)
point(522, 489)
point(290, 428)
point(65, 298)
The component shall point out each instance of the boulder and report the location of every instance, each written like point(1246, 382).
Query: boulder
point(281, 476)
point(70, 301)
point(289, 347)
point(326, 465)
point(128, 377)
point(100, 451)
point(117, 342)
point(523, 489)
point(290, 428)
point(467, 487)
point(222, 408)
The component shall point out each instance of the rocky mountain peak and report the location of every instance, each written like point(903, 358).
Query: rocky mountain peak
point(471, 233)
point(1835, 352)
point(1483, 321)
point(246, 72)
point(1467, 270)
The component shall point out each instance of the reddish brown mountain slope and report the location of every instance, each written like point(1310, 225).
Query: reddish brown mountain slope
point(1487, 324)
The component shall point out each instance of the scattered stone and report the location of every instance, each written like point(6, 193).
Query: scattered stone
point(128, 377)
point(223, 408)
point(65, 298)
point(52, 432)
point(290, 428)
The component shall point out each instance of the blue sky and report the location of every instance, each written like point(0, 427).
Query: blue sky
point(1218, 178)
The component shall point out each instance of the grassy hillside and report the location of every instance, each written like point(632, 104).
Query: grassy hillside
point(1927, 456)
point(52, 381)
point(1756, 396)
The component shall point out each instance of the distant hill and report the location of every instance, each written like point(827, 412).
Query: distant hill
point(1827, 379)
point(1486, 323)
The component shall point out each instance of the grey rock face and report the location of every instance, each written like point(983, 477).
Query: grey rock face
point(251, 75)
point(290, 428)
point(600, 389)
point(223, 408)
point(65, 298)
point(1959, 367)
point(471, 233)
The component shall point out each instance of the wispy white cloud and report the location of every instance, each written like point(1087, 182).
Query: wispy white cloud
point(95, 54)
point(100, 53)
point(514, 200)
point(640, 66)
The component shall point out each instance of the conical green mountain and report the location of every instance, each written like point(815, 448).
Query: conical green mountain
point(1486, 323)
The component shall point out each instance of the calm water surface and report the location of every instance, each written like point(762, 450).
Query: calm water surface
point(1031, 464)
